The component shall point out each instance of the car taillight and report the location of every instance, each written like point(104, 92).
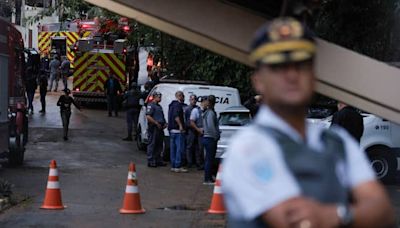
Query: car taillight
point(149, 99)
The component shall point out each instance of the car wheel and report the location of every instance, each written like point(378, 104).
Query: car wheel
point(16, 150)
point(139, 141)
point(384, 162)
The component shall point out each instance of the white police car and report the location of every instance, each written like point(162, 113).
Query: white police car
point(380, 140)
point(230, 121)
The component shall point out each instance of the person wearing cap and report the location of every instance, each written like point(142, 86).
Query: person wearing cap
point(283, 172)
point(156, 121)
point(132, 104)
point(64, 68)
point(192, 140)
point(65, 102)
point(196, 124)
point(211, 135)
point(54, 72)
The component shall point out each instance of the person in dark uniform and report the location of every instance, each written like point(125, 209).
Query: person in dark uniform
point(253, 104)
point(43, 90)
point(31, 86)
point(351, 120)
point(112, 88)
point(65, 101)
point(147, 88)
point(281, 171)
point(157, 124)
point(132, 103)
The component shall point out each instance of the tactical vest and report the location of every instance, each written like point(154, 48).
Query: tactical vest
point(314, 171)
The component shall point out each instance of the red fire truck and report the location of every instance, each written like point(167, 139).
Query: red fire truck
point(13, 119)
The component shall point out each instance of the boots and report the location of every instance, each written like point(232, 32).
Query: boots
point(43, 109)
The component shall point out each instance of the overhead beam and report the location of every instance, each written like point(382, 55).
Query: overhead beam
point(227, 30)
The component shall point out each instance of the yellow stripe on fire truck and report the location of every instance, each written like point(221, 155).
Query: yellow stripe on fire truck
point(92, 70)
point(44, 42)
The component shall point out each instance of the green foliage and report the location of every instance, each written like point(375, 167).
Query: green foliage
point(190, 62)
point(73, 9)
point(368, 27)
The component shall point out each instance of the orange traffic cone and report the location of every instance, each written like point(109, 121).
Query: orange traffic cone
point(132, 203)
point(52, 200)
point(217, 202)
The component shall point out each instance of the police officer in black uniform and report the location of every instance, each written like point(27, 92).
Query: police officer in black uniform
point(350, 119)
point(157, 124)
point(132, 104)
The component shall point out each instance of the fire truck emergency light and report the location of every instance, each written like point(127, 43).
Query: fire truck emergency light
point(126, 28)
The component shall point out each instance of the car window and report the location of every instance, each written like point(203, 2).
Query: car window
point(234, 118)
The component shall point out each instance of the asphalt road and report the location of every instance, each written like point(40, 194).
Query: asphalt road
point(93, 167)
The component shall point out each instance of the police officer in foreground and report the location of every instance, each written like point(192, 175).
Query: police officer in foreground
point(157, 124)
point(281, 171)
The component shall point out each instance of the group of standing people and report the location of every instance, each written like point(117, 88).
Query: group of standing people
point(55, 69)
point(59, 69)
point(193, 130)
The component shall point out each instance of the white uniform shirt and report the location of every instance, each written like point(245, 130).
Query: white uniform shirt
point(255, 177)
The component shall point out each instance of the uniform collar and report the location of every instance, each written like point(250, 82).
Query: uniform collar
point(267, 117)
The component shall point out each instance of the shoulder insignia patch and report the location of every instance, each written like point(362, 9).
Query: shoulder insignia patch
point(263, 171)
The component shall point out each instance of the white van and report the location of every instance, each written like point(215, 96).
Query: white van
point(380, 140)
point(225, 97)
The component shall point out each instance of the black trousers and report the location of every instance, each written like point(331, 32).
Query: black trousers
point(43, 93)
point(194, 149)
point(65, 116)
point(112, 104)
point(155, 147)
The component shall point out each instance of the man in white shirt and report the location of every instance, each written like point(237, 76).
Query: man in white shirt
point(282, 172)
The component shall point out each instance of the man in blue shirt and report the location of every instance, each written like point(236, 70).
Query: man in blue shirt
point(112, 88)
